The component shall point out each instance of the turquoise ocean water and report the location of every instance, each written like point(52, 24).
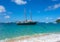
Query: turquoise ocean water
point(13, 30)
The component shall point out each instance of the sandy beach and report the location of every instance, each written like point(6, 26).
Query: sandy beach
point(35, 38)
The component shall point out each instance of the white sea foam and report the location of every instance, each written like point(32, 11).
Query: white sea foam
point(36, 38)
point(3, 40)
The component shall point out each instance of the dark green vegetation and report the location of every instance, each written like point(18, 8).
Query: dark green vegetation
point(58, 20)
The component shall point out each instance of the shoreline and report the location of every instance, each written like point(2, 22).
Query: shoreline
point(35, 38)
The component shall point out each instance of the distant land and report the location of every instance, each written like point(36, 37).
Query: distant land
point(58, 20)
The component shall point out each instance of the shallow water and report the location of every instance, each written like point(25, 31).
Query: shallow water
point(13, 30)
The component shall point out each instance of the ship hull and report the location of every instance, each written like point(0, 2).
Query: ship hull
point(28, 23)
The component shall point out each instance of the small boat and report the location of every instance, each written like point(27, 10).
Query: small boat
point(26, 22)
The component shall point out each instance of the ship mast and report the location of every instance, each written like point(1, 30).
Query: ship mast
point(25, 15)
point(30, 15)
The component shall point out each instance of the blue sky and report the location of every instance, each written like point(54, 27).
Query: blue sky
point(42, 10)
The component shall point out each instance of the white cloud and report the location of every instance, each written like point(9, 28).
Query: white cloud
point(7, 17)
point(20, 2)
point(56, 6)
point(2, 9)
point(58, 18)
